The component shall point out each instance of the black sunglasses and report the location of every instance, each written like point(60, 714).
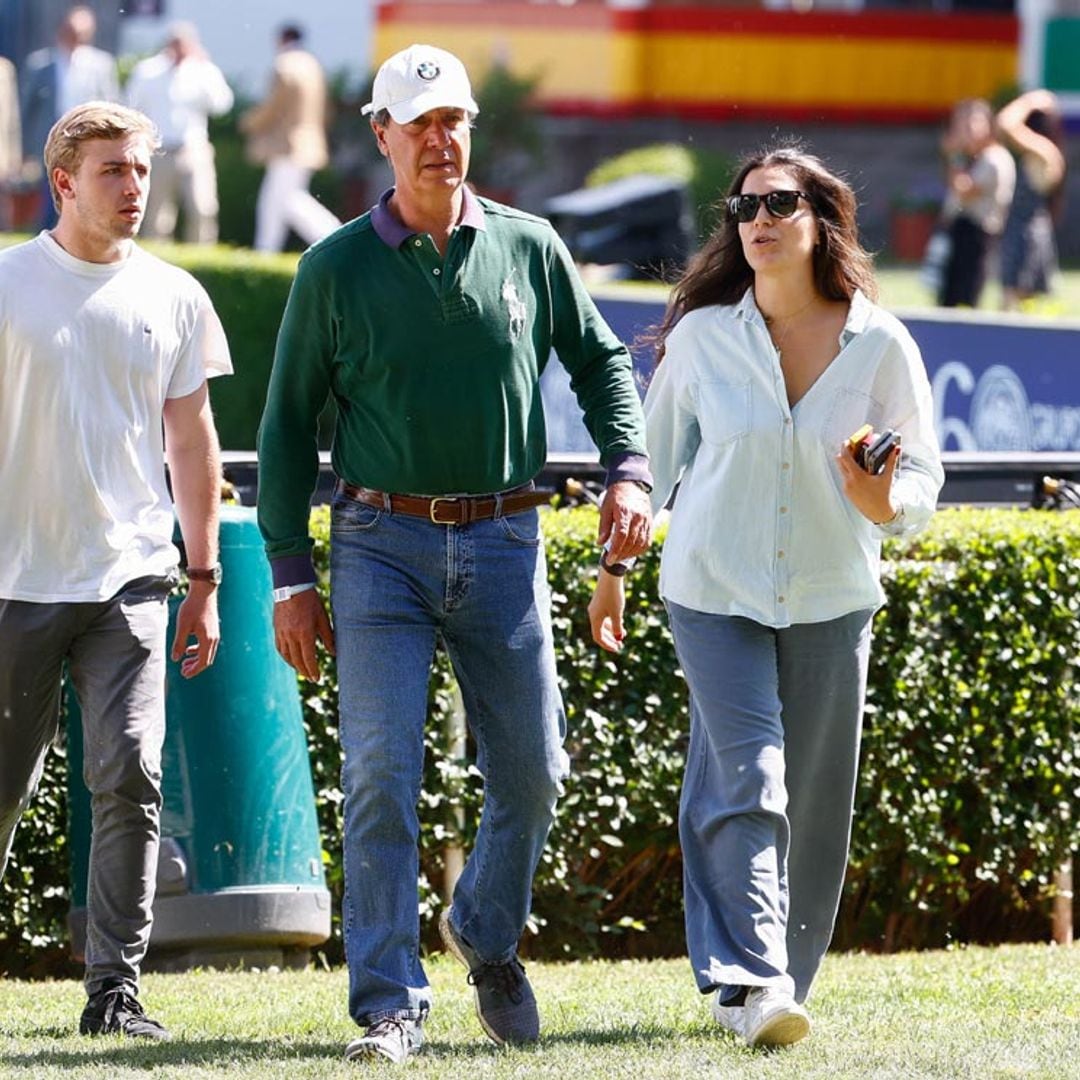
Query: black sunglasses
point(780, 204)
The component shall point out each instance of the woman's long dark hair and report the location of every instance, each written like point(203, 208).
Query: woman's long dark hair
point(719, 272)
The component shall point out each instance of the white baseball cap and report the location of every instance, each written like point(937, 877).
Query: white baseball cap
point(418, 79)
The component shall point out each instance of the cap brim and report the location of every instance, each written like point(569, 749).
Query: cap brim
point(405, 112)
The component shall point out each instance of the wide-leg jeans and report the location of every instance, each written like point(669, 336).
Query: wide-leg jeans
point(765, 814)
point(397, 584)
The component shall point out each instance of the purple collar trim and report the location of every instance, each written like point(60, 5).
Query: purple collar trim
point(393, 233)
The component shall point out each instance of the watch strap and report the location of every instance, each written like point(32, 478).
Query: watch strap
point(287, 592)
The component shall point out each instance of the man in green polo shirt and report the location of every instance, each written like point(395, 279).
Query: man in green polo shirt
point(430, 320)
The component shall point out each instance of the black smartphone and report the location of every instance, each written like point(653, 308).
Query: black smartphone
point(873, 455)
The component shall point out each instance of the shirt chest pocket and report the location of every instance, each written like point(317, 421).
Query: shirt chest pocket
point(723, 410)
point(850, 409)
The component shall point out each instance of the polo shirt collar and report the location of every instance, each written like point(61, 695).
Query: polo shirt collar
point(394, 233)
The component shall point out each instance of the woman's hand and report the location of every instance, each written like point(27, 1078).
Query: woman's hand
point(870, 495)
point(606, 612)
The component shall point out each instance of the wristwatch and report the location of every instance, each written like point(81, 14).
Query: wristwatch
point(211, 574)
point(615, 569)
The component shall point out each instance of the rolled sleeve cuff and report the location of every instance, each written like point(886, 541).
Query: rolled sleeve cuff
point(898, 526)
point(292, 570)
point(629, 466)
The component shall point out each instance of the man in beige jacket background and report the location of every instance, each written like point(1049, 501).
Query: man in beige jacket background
point(287, 133)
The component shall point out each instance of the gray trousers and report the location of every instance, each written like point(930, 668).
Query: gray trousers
point(765, 815)
point(115, 651)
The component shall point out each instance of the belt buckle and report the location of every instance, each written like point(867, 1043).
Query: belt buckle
point(434, 503)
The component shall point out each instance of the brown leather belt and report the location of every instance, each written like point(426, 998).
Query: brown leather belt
point(451, 509)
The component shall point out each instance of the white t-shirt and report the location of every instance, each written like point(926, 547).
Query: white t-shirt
point(89, 353)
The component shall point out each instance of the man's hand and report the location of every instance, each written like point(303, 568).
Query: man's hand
point(299, 622)
point(625, 520)
point(197, 617)
point(606, 612)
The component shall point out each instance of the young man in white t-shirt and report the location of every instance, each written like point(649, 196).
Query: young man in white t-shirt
point(104, 356)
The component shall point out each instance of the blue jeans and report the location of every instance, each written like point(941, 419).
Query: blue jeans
point(397, 584)
point(765, 816)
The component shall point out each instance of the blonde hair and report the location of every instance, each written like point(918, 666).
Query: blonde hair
point(92, 120)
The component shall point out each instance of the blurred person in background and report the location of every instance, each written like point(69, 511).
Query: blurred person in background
point(1032, 128)
point(179, 89)
point(10, 138)
point(287, 133)
point(57, 78)
point(980, 179)
point(773, 353)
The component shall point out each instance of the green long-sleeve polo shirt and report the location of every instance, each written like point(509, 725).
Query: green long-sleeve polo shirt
point(434, 363)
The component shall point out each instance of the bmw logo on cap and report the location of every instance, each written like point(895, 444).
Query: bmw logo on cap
point(427, 70)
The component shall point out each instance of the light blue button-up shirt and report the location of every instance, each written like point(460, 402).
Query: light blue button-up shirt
point(761, 526)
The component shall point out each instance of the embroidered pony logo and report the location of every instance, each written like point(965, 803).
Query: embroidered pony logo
point(516, 308)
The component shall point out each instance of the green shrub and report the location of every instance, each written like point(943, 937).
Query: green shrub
point(970, 781)
point(967, 792)
point(248, 291)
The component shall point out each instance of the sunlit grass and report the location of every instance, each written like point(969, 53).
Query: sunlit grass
point(967, 1014)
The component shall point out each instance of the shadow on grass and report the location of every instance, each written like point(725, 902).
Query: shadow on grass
point(193, 1052)
point(119, 1051)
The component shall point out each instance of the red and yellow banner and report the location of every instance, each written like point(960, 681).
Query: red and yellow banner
point(711, 62)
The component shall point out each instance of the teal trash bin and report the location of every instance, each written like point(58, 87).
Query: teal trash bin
point(240, 875)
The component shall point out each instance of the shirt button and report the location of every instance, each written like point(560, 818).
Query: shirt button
point(436, 271)
point(787, 419)
point(781, 599)
point(786, 465)
point(779, 554)
point(418, 243)
point(783, 509)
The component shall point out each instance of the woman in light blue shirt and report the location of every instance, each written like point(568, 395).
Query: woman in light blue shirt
point(773, 353)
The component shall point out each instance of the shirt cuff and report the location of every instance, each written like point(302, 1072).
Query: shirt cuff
point(629, 466)
point(895, 526)
point(292, 570)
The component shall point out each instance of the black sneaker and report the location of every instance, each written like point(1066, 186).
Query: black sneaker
point(116, 1011)
point(505, 1002)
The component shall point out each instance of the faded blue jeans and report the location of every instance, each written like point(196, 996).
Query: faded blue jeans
point(765, 817)
point(397, 584)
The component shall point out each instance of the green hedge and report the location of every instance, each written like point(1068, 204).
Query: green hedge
point(248, 291)
point(967, 793)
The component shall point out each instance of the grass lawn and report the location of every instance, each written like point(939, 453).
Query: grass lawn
point(901, 288)
point(984, 1014)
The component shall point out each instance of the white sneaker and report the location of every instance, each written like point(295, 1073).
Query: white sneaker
point(394, 1038)
point(772, 1017)
point(729, 1017)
